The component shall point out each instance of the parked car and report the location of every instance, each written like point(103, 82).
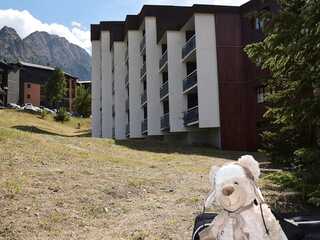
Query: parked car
point(14, 106)
point(29, 107)
point(53, 112)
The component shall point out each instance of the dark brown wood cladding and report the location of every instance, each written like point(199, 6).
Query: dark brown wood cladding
point(95, 32)
point(116, 29)
point(239, 78)
point(237, 85)
point(168, 18)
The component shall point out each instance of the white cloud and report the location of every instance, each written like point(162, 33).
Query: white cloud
point(24, 23)
point(191, 2)
point(76, 24)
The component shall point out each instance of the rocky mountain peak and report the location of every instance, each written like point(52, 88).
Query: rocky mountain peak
point(45, 49)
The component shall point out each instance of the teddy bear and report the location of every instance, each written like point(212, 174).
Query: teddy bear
point(245, 215)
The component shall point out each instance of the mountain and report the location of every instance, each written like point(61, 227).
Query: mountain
point(45, 49)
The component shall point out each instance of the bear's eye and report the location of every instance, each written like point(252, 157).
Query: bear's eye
point(236, 183)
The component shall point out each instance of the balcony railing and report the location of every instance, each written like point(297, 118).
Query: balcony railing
point(127, 130)
point(144, 126)
point(143, 44)
point(143, 98)
point(163, 60)
point(143, 70)
point(165, 125)
point(191, 116)
point(164, 90)
point(190, 81)
point(189, 46)
point(127, 105)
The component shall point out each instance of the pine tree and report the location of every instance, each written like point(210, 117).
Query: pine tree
point(83, 101)
point(56, 88)
point(291, 54)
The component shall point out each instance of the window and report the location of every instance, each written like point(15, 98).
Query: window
point(258, 24)
point(28, 85)
point(261, 92)
point(28, 96)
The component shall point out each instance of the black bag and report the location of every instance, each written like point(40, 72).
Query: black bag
point(203, 220)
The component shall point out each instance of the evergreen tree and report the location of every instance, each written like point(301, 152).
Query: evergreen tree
point(83, 101)
point(56, 88)
point(291, 54)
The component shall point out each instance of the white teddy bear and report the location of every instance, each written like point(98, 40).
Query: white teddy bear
point(245, 216)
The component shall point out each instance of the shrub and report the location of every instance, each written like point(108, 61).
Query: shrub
point(44, 114)
point(83, 102)
point(62, 115)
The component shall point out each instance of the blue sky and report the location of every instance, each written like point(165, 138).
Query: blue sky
point(72, 18)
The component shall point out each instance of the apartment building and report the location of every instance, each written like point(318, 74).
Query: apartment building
point(179, 73)
point(26, 84)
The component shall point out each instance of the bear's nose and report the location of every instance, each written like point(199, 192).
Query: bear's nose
point(227, 191)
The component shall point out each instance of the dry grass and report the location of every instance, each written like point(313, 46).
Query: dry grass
point(57, 184)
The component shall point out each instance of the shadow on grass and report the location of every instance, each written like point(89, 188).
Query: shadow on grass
point(33, 129)
point(161, 146)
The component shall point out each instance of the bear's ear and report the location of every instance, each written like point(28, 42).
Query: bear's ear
point(212, 194)
point(212, 174)
point(251, 164)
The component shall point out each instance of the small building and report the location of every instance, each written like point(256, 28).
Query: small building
point(28, 83)
point(86, 84)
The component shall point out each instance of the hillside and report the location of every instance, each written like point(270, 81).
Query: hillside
point(56, 183)
point(45, 49)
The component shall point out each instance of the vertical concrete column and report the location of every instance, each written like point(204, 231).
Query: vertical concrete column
point(135, 64)
point(207, 70)
point(120, 90)
point(176, 73)
point(153, 52)
point(106, 85)
point(96, 89)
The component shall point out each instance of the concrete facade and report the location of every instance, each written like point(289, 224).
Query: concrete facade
point(96, 100)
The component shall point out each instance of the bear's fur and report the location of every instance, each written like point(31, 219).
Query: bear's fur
point(244, 214)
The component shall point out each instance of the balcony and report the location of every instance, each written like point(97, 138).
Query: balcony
point(144, 126)
point(127, 105)
point(163, 61)
point(191, 116)
point(127, 130)
point(190, 81)
point(143, 70)
point(165, 124)
point(189, 47)
point(144, 98)
point(143, 45)
point(164, 90)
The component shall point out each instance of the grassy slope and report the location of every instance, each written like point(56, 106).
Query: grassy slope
point(57, 184)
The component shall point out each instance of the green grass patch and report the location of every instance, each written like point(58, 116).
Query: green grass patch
point(290, 180)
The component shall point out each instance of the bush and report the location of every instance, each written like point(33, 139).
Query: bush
point(62, 115)
point(44, 114)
